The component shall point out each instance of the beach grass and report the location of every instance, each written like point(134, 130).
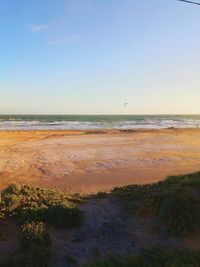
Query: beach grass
point(36, 211)
point(175, 201)
point(26, 204)
point(35, 248)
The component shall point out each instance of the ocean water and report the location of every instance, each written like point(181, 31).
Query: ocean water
point(89, 122)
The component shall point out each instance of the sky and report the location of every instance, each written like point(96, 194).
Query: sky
point(92, 56)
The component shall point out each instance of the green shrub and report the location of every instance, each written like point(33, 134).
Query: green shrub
point(36, 208)
point(178, 214)
point(34, 233)
point(58, 216)
point(36, 204)
point(35, 248)
point(35, 244)
point(176, 201)
point(101, 194)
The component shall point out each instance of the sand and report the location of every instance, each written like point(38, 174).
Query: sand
point(91, 161)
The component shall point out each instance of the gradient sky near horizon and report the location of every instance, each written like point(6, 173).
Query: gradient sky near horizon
point(92, 56)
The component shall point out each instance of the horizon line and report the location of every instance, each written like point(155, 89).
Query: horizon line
point(99, 114)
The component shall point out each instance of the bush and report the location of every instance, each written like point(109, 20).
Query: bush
point(58, 216)
point(35, 248)
point(37, 204)
point(34, 233)
point(178, 214)
point(101, 194)
point(35, 244)
point(175, 201)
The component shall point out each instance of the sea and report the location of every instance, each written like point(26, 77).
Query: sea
point(92, 122)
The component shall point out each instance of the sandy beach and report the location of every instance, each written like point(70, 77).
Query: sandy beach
point(91, 161)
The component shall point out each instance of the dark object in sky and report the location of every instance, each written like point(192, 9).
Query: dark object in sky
point(190, 2)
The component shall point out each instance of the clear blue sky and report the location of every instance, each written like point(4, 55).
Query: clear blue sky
point(92, 56)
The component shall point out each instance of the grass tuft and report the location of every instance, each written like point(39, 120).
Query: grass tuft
point(35, 248)
point(36, 204)
point(175, 201)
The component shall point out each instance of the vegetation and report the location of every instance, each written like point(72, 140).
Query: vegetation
point(36, 204)
point(35, 248)
point(101, 194)
point(176, 202)
point(35, 210)
point(1, 234)
point(34, 233)
point(153, 258)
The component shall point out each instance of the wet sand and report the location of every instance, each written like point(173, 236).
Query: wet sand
point(91, 161)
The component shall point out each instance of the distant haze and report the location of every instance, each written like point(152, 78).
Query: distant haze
point(91, 57)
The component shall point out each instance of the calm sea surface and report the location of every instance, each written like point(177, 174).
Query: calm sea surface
point(78, 122)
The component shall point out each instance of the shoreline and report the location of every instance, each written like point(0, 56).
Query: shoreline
point(103, 130)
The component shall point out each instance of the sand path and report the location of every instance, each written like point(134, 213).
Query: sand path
point(108, 230)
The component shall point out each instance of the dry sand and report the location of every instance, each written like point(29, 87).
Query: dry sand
point(91, 161)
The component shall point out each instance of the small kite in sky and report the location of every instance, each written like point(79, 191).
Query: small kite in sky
point(125, 104)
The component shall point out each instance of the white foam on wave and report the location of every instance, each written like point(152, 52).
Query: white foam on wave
point(145, 123)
